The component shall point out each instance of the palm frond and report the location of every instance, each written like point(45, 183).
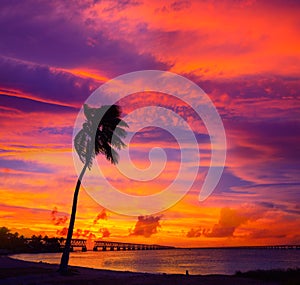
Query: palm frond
point(106, 128)
point(82, 143)
point(120, 132)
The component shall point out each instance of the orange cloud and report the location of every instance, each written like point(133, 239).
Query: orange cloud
point(146, 226)
point(194, 233)
point(229, 40)
point(101, 216)
point(57, 221)
point(63, 232)
point(105, 232)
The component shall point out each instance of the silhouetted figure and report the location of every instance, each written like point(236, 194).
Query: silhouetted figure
point(101, 133)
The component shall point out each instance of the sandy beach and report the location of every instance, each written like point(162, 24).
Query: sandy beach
point(15, 272)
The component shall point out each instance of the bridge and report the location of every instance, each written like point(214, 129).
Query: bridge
point(111, 245)
point(74, 243)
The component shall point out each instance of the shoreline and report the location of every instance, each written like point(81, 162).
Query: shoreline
point(14, 271)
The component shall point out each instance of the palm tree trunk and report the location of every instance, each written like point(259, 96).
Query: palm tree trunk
point(63, 268)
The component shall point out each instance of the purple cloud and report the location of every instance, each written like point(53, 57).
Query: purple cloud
point(43, 82)
point(29, 105)
point(26, 166)
point(61, 35)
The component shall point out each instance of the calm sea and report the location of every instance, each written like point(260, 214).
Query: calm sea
point(197, 261)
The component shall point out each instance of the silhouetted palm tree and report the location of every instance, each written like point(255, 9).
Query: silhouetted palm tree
point(101, 133)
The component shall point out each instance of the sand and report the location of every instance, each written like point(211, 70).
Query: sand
point(16, 272)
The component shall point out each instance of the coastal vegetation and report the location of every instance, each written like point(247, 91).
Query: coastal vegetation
point(16, 243)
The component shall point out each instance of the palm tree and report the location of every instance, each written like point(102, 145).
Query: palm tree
point(101, 133)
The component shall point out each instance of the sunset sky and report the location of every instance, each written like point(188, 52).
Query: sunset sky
point(244, 54)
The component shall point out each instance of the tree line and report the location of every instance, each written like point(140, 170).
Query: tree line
point(15, 243)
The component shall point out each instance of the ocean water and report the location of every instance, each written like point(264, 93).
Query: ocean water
point(196, 261)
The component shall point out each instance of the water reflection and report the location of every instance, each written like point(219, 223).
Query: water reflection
point(197, 261)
